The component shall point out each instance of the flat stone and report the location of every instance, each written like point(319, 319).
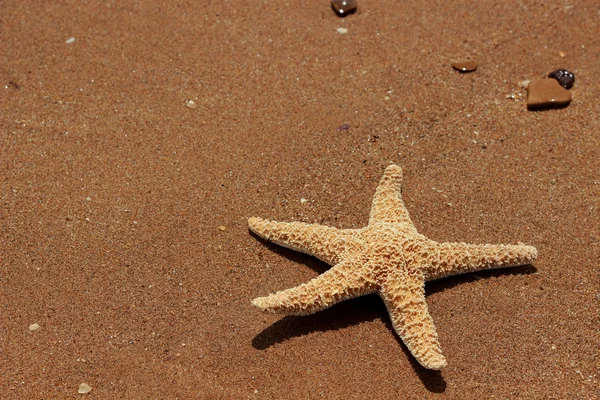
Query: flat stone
point(34, 327)
point(465, 65)
point(547, 93)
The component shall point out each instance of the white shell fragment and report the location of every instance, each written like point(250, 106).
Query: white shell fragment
point(84, 388)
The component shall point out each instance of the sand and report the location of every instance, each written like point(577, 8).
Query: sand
point(114, 191)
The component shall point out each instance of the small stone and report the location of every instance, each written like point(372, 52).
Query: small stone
point(342, 31)
point(303, 200)
point(547, 93)
point(344, 7)
point(343, 128)
point(84, 388)
point(34, 327)
point(564, 77)
point(88, 198)
point(70, 40)
point(465, 66)
point(222, 228)
point(191, 104)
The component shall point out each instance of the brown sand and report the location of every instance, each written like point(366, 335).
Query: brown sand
point(113, 192)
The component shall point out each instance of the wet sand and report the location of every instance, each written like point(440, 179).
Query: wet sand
point(123, 226)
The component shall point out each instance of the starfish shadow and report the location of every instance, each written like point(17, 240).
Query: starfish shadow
point(342, 315)
point(300, 258)
point(439, 285)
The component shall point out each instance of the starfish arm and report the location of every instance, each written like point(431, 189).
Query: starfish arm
point(459, 258)
point(342, 282)
point(387, 203)
point(326, 243)
point(404, 297)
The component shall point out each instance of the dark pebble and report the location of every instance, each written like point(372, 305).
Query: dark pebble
point(344, 7)
point(564, 77)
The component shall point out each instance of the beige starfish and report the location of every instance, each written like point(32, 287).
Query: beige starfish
point(388, 257)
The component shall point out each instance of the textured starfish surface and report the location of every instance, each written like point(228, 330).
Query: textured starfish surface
point(388, 257)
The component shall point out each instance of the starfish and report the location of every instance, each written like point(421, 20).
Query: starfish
point(388, 257)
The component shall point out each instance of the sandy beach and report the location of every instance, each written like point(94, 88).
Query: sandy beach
point(137, 138)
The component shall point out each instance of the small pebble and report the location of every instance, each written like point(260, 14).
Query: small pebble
point(342, 31)
point(222, 228)
point(34, 327)
point(70, 40)
point(564, 77)
point(303, 200)
point(547, 93)
point(344, 7)
point(84, 388)
point(344, 128)
point(465, 66)
point(191, 104)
